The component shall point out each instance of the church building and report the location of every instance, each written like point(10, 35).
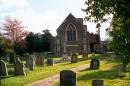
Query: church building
point(73, 37)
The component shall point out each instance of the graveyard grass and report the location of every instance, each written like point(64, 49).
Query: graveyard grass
point(38, 73)
point(108, 72)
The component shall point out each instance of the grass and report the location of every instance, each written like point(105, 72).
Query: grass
point(38, 74)
point(108, 72)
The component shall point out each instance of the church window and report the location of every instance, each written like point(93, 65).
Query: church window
point(71, 33)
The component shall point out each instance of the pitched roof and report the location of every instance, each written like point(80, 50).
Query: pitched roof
point(70, 17)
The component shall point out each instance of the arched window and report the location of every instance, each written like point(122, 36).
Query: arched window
point(71, 32)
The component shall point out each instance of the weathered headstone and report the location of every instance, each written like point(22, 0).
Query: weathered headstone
point(12, 57)
point(49, 62)
point(67, 78)
point(97, 82)
point(33, 55)
point(94, 64)
point(39, 59)
point(74, 58)
point(19, 67)
point(84, 55)
point(3, 68)
point(30, 62)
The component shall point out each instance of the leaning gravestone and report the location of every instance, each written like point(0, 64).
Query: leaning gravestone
point(30, 62)
point(3, 68)
point(39, 59)
point(19, 67)
point(67, 78)
point(49, 62)
point(74, 58)
point(94, 64)
point(97, 82)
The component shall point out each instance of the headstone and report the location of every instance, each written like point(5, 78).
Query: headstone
point(39, 59)
point(97, 82)
point(19, 67)
point(74, 58)
point(49, 62)
point(30, 62)
point(84, 55)
point(94, 64)
point(12, 57)
point(3, 68)
point(65, 58)
point(67, 78)
point(33, 55)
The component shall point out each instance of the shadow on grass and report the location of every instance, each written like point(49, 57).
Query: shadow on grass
point(3, 77)
point(67, 63)
point(94, 74)
point(82, 59)
point(89, 74)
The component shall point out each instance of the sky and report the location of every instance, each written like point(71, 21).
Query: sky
point(38, 15)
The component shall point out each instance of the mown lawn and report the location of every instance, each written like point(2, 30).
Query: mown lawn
point(38, 74)
point(108, 72)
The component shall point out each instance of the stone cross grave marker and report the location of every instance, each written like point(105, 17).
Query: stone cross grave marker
point(67, 78)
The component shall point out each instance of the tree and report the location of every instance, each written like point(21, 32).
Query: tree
point(98, 10)
point(30, 42)
point(13, 30)
point(5, 46)
point(20, 47)
point(46, 40)
point(39, 42)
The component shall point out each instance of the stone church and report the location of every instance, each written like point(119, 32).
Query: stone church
point(73, 37)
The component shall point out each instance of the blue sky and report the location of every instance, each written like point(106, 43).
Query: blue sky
point(37, 15)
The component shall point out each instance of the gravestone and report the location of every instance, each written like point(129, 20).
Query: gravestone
point(39, 59)
point(84, 55)
point(67, 78)
point(97, 82)
point(94, 64)
point(19, 67)
point(74, 58)
point(49, 62)
point(30, 62)
point(12, 56)
point(33, 55)
point(3, 68)
point(65, 58)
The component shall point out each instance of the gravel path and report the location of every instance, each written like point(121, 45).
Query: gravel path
point(51, 80)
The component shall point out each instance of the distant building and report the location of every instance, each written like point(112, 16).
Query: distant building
point(73, 37)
